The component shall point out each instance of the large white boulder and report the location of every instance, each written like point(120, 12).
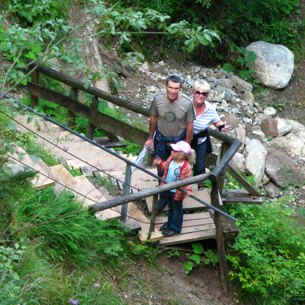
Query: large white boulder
point(273, 65)
point(256, 159)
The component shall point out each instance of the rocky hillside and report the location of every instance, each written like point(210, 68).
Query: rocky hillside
point(269, 132)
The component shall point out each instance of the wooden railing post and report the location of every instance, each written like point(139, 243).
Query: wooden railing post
point(92, 117)
point(153, 214)
point(215, 198)
point(71, 116)
point(221, 177)
point(126, 191)
point(35, 80)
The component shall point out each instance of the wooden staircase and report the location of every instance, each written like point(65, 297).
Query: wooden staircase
point(198, 223)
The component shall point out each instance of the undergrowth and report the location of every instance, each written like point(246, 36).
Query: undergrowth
point(268, 256)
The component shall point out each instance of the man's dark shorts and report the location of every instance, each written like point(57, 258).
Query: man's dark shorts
point(161, 143)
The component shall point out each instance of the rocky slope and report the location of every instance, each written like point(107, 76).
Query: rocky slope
point(269, 132)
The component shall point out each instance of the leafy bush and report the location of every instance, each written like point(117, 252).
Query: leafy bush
point(10, 282)
point(268, 256)
point(198, 256)
point(66, 231)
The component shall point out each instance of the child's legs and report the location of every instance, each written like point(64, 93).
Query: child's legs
point(175, 215)
point(163, 201)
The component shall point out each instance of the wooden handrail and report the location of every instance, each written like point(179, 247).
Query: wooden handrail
point(74, 83)
point(146, 193)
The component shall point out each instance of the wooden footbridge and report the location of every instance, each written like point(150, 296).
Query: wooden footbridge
point(204, 217)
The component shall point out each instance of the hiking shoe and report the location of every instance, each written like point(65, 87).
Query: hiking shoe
point(168, 233)
point(164, 227)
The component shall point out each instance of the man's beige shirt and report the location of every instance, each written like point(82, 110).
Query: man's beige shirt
point(172, 117)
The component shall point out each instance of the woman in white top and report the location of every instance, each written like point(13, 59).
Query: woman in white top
point(205, 115)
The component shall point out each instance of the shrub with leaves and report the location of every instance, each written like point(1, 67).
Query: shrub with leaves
point(268, 257)
point(10, 282)
point(66, 230)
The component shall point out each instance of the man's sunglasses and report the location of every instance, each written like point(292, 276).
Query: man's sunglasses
point(201, 93)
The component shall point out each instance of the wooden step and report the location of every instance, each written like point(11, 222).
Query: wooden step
point(196, 226)
point(28, 162)
point(83, 186)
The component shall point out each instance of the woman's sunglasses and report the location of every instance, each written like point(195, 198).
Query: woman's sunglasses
point(201, 93)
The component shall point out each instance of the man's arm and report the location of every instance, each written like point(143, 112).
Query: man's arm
point(152, 127)
point(189, 132)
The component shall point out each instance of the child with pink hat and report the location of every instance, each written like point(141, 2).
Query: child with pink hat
point(176, 167)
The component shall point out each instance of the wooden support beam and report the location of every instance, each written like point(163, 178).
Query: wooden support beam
point(146, 193)
point(103, 121)
point(220, 237)
point(236, 196)
point(35, 80)
point(221, 177)
point(74, 83)
point(227, 157)
point(71, 115)
point(93, 113)
point(235, 174)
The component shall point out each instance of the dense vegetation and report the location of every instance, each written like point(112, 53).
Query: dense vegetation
point(208, 30)
point(48, 242)
point(268, 256)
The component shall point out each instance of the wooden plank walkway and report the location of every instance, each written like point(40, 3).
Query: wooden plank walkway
point(196, 226)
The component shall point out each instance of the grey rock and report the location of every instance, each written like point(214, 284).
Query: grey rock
point(282, 169)
point(256, 159)
point(256, 130)
point(272, 190)
point(238, 162)
point(217, 95)
point(241, 85)
point(269, 127)
point(292, 143)
point(231, 120)
point(248, 97)
point(283, 126)
point(240, 134)
point(274, 64)
point(270, 111)
point(229, 94)
point(225, 82)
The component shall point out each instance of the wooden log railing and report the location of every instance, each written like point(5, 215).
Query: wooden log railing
point(229, 147)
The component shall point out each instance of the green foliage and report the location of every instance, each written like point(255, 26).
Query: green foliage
point(131, 21)
point(233, 184)
point(38, 25)
point(193, 35)
point(210, 258)
point(130, 148)
point(268, 256)
point(243, 61)
point(36, 11)
point(279, 105)
point(254, 20)
point(198, 256)
point(10, 282)
point(74, 171)
point(146, 251)
point(106, 182)
point(45, 283)
point(66, 231)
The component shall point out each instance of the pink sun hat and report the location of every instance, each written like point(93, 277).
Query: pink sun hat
point(182, 146)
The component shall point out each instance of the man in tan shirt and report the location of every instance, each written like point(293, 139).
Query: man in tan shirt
point(171, 118)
